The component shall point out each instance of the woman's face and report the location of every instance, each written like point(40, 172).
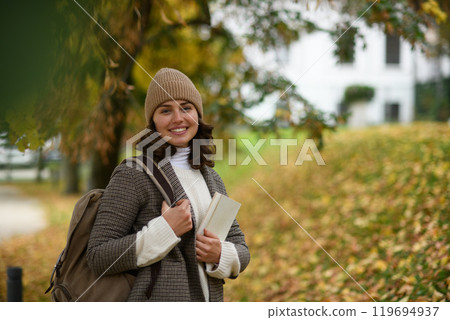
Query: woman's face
point(177, 120)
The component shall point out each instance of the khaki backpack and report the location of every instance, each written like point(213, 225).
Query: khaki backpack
point(72, 279)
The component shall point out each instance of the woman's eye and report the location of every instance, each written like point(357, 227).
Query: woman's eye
point(187, 108)
point(165, 111)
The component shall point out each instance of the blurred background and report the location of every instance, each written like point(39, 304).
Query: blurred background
point(367, 80)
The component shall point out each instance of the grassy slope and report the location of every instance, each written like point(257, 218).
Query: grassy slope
point(379, 207)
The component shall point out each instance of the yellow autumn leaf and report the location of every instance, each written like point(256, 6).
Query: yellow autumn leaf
point(381, 265)
point(432, 7)
point(444, 261)
point(405, 289)
point(409, 280)
point(437, 296)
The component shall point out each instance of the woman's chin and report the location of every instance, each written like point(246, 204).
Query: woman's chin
point(179, 143)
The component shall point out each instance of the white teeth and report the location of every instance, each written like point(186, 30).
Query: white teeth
point(178, 130)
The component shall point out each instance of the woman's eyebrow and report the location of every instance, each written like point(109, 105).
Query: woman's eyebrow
point(164, 105)
point(170, 105)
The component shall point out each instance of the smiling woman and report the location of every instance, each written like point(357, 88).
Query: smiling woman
point(171, 262)
point(177, 120)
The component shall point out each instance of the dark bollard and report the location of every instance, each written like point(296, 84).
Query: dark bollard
point(14, 284)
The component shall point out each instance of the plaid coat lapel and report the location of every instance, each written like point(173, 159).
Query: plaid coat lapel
point(187, 244)
point(178, 190)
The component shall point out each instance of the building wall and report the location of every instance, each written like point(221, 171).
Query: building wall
point(310, 64)
point(319, 77)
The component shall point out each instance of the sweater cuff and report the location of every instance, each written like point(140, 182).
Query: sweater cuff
point(229, 264)
point(154, 242)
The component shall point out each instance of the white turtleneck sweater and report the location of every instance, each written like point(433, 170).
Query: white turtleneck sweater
point(156, 239)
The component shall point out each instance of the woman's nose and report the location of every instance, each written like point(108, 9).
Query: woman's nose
point(177, 115)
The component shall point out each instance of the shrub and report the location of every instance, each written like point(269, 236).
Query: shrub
point(357, 93)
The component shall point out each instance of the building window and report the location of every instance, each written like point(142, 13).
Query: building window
point(392, 112)
point(392, 49)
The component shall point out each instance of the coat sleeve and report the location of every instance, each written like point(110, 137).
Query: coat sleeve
point(112, 246)
point(235, 235)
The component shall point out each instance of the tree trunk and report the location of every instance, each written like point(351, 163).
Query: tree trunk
point(103, 164)
point(71, 175)
point(40, 166)
point(116, 104)
point(439, 113)
point(100, 172)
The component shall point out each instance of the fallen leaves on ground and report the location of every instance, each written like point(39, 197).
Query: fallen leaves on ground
point(379, 208)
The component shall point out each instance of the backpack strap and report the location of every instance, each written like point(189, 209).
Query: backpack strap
point(55, 272)
point(163, 184)
point(158, 177)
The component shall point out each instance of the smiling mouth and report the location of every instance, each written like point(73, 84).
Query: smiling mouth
point(178, 130)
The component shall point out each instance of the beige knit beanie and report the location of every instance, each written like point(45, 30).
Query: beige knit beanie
point(170, 84)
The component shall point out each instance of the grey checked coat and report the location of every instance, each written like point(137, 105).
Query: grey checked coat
point(131, 200)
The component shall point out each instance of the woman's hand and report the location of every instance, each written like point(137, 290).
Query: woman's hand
point(179, 218)
point(208, 247)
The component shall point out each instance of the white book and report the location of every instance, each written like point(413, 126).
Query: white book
point(220, 215)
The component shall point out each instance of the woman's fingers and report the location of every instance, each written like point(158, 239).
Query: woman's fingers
point(164, 207)
point(202, 256)
point(184, 204)
point(209, 234)
point(179, 218)
point(202, 245)
point(208, 249)
point(200, 252)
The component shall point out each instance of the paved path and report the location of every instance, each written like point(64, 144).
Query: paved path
point(18, 214)
point(22, 174)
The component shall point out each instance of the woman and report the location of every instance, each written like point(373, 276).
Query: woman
point(136, 230)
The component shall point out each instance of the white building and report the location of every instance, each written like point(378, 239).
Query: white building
point(387, 64)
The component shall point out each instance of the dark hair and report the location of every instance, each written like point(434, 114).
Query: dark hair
point(204, 132)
